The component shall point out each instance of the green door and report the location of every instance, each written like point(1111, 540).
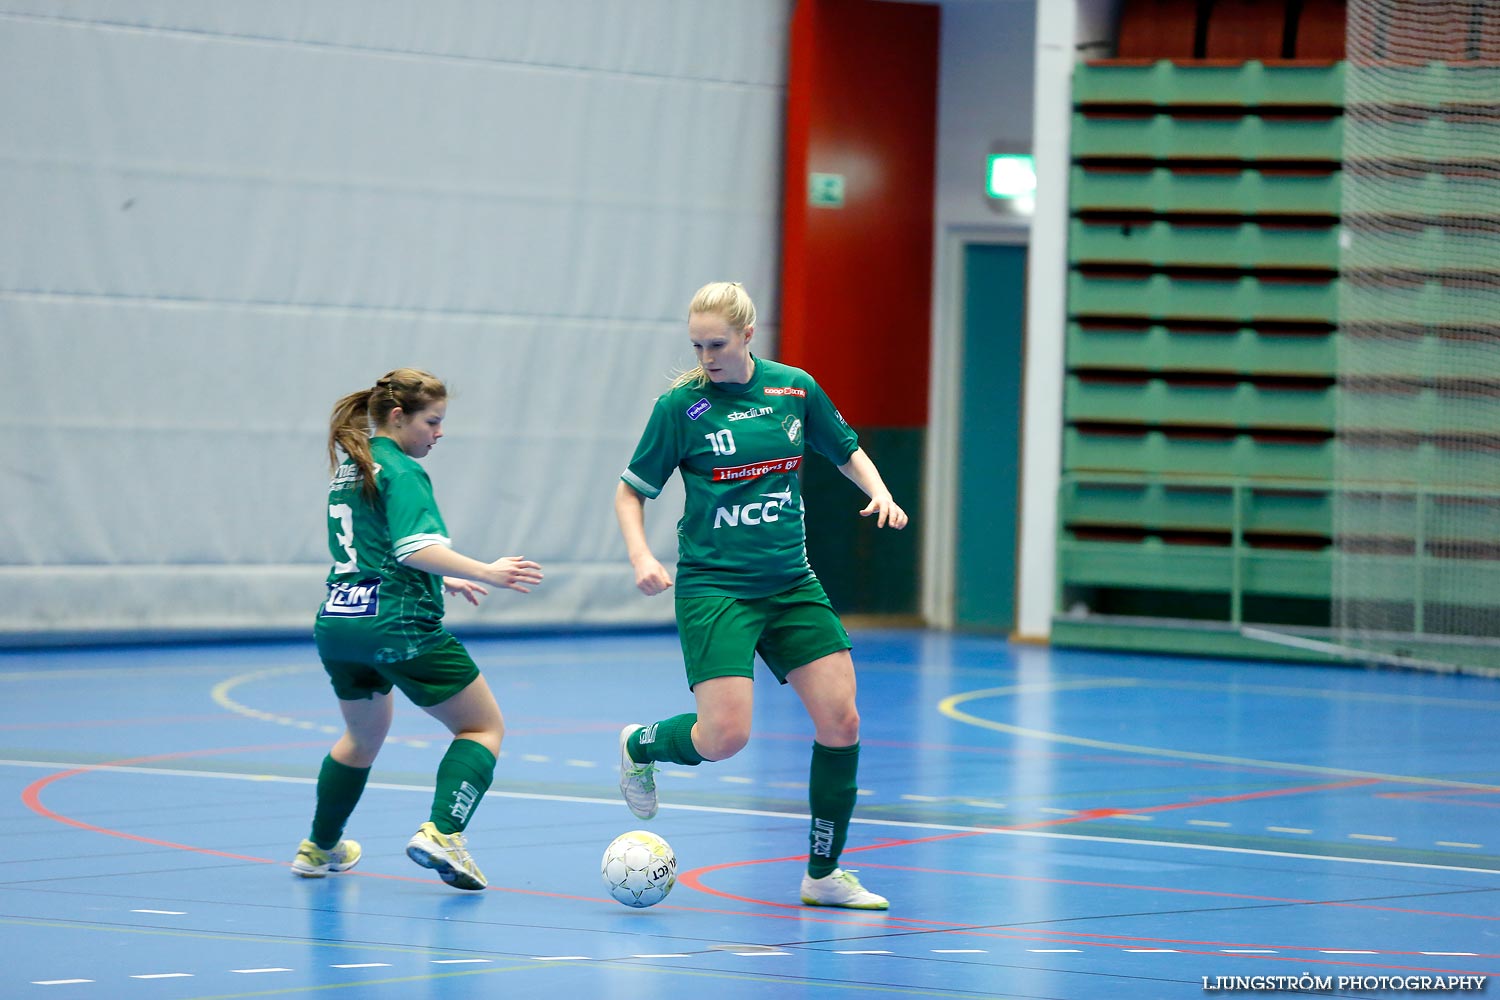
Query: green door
point(989, 437)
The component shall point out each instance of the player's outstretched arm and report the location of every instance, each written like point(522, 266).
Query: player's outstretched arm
point(861, 471)
point(651, 577)
point(513, 572)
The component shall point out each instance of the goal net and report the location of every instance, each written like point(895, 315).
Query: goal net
point(1416, 498)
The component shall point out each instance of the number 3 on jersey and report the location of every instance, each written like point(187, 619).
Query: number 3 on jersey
point(344, 515)
point(722, 441)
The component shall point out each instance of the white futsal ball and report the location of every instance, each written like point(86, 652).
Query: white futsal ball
point(639, 868)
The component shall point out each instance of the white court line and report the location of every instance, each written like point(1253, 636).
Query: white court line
point(770, 814)
point(163, 975)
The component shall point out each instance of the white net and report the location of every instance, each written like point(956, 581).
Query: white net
point(1416, 501)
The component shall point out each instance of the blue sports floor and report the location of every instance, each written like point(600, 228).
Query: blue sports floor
point(1047, 823)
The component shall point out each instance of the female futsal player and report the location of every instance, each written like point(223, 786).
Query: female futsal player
point(382, 625)
point(738, 427)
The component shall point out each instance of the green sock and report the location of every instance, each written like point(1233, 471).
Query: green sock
point(670, 740)
point(831, 790)
point(339, 789)
point(462, 779)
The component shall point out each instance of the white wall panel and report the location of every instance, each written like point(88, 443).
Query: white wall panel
point(221, 217)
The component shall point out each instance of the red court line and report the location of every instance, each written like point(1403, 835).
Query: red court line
point(694, 878)
point(31, 796)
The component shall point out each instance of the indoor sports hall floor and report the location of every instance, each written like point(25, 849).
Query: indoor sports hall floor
point(1047, 824)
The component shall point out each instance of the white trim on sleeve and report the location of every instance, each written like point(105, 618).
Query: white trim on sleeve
point(640, 485)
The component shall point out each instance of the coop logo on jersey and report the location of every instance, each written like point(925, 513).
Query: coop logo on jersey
point(793, 427)
point(784, 390)
point(758, 411)
point(352, 600)
point(756, 469)
point(760, 512)
point(698, 409)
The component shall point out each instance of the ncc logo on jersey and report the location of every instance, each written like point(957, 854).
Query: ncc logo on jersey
point(352, 600)
point(760, 512)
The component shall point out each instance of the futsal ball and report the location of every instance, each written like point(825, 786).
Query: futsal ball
point(639, 868)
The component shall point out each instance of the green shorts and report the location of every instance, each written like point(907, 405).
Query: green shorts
point(721, 635)
point(428, 679)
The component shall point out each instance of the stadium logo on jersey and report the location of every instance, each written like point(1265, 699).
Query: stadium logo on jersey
point(352, 600)
point(793, 427)
point(698, 409)
point(753, 513)
point(756, 469)
point(759, 411)
point(463, 802)
point(784, 390)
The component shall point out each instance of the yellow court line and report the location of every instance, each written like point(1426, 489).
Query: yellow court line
point(949, 707)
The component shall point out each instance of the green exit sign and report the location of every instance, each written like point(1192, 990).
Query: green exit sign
point(1010, 175)
point(825, 190)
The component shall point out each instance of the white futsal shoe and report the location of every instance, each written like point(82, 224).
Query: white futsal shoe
point(840, 888)
point(637, 781)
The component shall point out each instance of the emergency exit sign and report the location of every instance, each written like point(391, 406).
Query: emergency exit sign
point(825, 190)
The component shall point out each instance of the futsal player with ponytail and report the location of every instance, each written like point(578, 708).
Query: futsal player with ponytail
point(737, 428)
point(381, 625)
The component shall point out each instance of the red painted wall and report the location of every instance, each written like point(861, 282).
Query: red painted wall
point(856, 282)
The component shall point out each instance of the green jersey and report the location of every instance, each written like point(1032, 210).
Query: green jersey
point(377, 608)
point(740, 448)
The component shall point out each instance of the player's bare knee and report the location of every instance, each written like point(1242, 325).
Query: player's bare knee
point(722, 743)
point(487, 738)
point(842, 729)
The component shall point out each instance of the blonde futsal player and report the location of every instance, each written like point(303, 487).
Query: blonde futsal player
point(738, 427)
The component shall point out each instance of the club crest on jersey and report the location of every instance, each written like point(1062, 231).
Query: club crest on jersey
point(352, 600)
point(793, 427)
point(698, 409)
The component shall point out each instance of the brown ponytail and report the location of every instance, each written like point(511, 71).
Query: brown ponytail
point(358, 414)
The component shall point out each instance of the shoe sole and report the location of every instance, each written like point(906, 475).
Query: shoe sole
point(626, 762)
point(846, 906)
point(455, 877)
point(323, 871)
